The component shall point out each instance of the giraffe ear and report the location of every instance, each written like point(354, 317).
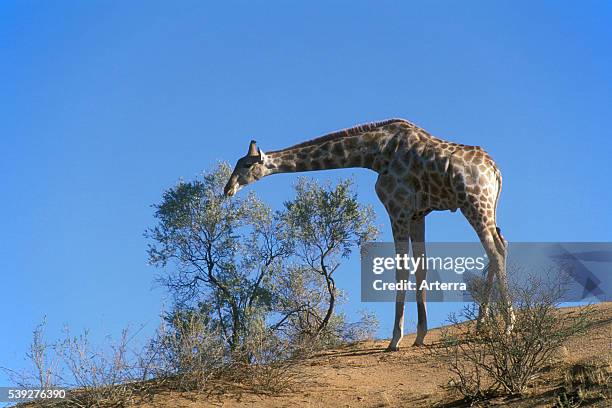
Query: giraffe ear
point(253, 151)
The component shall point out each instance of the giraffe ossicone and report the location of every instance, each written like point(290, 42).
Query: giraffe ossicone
point(417, 174)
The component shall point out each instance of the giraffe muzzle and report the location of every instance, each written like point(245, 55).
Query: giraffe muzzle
point(231, 187)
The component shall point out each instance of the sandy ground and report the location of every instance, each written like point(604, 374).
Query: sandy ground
point(364, 375)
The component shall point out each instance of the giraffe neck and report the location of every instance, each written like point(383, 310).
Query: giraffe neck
point(357, 147)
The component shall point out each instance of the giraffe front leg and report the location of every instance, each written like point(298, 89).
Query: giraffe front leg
point(398, 325)
point(417, 237)
point(401, 237)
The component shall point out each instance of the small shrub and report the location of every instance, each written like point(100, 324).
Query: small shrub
point(45, 370)
point(363, 329)
point(187, 350)
point(488, 360)
point(95, 377)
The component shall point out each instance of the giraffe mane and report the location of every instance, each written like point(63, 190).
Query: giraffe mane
point(352, 131)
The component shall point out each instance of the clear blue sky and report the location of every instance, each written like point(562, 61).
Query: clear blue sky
point(105, 104)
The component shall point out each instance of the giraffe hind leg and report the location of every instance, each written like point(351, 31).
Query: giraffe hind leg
point(502, 248)
point(496, 248)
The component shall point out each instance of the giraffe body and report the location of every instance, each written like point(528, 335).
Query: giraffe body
point(417, 174)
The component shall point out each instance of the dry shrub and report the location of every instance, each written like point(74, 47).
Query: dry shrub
point(487, 360)
point(267, 363)
point(94, 377)
point(272, 378)
point(44, 372)
point(113, 376)
point(186, 352)
point(188, 355)
point(338, 332)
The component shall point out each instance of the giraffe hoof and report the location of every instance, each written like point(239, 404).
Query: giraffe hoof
point(391, 348)
point(418, 344)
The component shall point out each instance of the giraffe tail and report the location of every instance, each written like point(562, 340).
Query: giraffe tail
point(500, 242)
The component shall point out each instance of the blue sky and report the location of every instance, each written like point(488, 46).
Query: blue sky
point(106, 104)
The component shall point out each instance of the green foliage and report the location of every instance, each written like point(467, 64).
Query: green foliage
point(249, 272)
point(326, 223)
point(223, 251)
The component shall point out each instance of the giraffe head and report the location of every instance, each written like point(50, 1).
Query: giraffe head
point(249, 169)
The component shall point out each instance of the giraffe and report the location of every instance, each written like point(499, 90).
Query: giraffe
point(417, 174)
